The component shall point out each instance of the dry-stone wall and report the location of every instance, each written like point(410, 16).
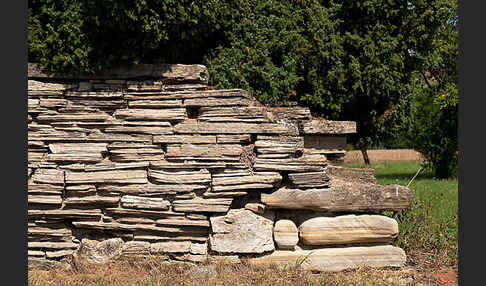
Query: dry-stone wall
point(150, 161)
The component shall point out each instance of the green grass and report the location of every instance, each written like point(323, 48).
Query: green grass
point(430, 223)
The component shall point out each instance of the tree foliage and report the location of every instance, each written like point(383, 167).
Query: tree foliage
point(346, 60)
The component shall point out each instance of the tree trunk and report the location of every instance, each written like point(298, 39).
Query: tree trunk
point(365, 156)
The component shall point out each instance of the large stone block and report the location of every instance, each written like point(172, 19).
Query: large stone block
point(337, 259)
point(348, 229)
point(241, 231)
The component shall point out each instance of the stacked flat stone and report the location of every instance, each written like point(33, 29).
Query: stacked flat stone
point(150, 161)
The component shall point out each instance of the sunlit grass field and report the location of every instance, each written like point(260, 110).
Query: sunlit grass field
point(431, 223)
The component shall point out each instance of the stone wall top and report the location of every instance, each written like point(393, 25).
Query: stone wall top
point(173, 73)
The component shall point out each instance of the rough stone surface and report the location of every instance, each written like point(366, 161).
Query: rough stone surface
point(100, 251)
point(337, 259)
point(341, 197)
point(150, 154)
point(348, 229)
point(241, 231)
point(285, 234)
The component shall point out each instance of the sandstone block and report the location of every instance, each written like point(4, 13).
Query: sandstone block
point(285, 234)
point(202, 205)
point(136, 202)
point(348, 229)
point(337, 259)
point(118, 177)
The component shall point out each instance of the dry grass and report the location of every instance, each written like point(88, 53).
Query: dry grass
point(390, 155)
point(153, 271)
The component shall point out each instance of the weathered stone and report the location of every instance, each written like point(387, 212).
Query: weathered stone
point(321, 126)
point(224, 194)
point(166, 114)
point(83, 148)
point(104, 177)
point(167, 73)
point(288, 145)
point(51, 245)
point(92, 200)
point(165, 165)
point(95, 95)
point(75, 157)
point(235, 114)
point(183, 222)
point(337, 259)
point(101, 104)
point(306, 163)
point(59, 253)
point(155, 128)
point(35, 85)
point(131, 220)
point(46, 200)
point(44, 189)
point(199, 248)
point(185, 139)
point(170, 247)
point(228, 139)
point(181, 177)
point(80, 191)
point(155, 103)
point(150, 189)
point(162, 238)
point(348, 229)
point(115, 137)
point(204, 152)
point(291, 113)
point(135, 202)
point(114, 226)
point(100, 116)
point(365, 175)
point(48, 233)
point(340, 198)
point(309, 180)
point(256, 208)
point(148, 153)
point(215, 101)
point(48, 176)
point(241, 231)
point(36, 253)
point(136, 248)
point(121, 212)
point(193, 127)
point(108, 166)
point(52, 102)
point(285, 234)
point(100, 251)
point(244, 180)
point(202, 205)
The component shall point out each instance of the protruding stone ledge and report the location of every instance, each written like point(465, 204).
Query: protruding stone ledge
point(321, 126)
point(175, 73)
point(347, 197)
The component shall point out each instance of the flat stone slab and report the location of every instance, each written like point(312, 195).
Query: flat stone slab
point(337, 259)
point(348, 229)
point(241, 231)
point(341, 197)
